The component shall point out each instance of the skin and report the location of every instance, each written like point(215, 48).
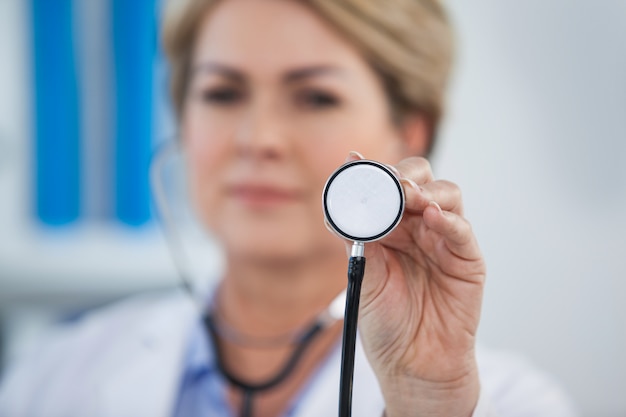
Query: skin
point(276, 102)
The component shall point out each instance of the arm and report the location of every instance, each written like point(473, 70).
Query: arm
point(420, 302)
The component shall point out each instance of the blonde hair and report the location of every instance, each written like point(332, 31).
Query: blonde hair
point(409, 43)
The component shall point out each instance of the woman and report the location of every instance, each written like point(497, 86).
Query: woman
point(272, 96)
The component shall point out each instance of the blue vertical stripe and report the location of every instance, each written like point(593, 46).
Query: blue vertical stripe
point(57, 180)
point(134, 43)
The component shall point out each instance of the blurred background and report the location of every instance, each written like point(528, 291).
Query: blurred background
point(535, 136)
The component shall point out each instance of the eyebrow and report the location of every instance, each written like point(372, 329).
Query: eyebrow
point(299, 74)
point(291, 76)
point(223, 70)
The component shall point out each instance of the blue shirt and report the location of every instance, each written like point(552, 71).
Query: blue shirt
point(203, 388)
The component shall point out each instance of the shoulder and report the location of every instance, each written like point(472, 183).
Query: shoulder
point(78, 358)
point(135, 316)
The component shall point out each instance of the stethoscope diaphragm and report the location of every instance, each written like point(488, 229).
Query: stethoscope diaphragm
point(363, 200)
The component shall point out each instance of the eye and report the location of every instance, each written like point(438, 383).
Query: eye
point(316, 99)
point(221, 95)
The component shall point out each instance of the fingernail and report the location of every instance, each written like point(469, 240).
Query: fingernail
point(412, 184)
point(395, 171)
point(356, 154)
point(434, 204)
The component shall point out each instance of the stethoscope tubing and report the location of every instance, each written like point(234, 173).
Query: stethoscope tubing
point(356, 271)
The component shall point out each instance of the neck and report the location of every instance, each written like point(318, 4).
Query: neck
point(270, 298)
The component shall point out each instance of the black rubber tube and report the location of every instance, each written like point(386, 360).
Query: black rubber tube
point(249, 389)
point(246, 404)
point(356, 270)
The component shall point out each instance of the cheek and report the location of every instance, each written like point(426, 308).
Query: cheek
point(206, 151)
point(202, 186)
point(373, 140)
point(202, 164)
point(207, 140)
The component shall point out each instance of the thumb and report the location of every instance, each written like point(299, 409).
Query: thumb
point(354, 156)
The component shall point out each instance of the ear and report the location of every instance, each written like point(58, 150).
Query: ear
point(415, 132)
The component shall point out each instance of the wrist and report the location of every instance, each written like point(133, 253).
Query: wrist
point(406, 396)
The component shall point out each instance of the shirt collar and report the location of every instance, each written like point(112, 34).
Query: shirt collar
point(200, 356)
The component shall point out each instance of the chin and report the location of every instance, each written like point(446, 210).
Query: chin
point(267, 251)
point(268, 242)
point(288, 236)
point(282, 246)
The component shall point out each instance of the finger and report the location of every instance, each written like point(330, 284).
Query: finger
point(330, 228)
point(446, 194)
point(455, 230)
point(417, 169)
point(414, 199)
point(347, 243)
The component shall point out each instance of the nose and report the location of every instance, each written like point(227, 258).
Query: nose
point(261, 132)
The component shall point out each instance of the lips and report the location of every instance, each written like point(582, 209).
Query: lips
point(263, 195)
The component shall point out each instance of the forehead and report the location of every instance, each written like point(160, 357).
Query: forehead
point(266, 35)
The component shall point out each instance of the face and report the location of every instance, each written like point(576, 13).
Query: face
point(276, 101)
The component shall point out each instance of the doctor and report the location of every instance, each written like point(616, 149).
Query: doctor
point(272, 96)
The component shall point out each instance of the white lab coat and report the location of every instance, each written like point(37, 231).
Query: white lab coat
point(126, 361)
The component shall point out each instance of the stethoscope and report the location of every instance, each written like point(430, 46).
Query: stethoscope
point(363, 201)
point(302, 340)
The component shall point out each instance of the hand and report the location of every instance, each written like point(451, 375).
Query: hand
point(421, 299)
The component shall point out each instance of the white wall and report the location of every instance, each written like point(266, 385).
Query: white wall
point(536, 138)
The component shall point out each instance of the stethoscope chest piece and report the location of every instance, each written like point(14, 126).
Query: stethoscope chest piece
point(363, 201)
